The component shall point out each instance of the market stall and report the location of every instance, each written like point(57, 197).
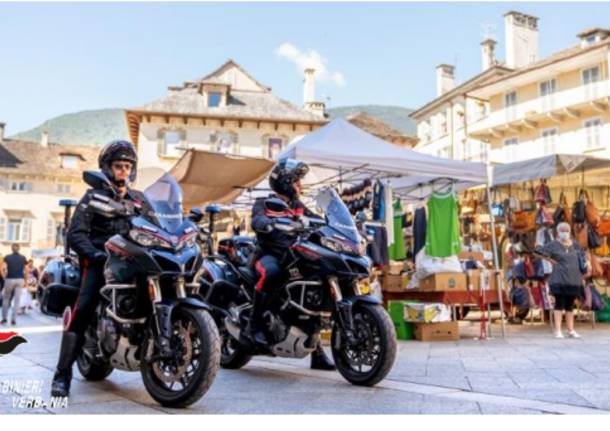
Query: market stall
point(530, 198)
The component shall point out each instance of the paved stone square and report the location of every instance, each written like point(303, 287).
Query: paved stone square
point(529, 372)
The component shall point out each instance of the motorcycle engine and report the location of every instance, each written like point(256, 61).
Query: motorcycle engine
point(276, 326)
point(107, 334)
point(313, 298)
point(126, 305)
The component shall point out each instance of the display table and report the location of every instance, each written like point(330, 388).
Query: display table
point(449, 298)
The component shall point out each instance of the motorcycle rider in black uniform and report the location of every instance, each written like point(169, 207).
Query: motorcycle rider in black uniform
point(285, 180)
point(87, 235)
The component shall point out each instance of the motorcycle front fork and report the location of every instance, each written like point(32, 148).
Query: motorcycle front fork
point(162, 315)
point(344, 310)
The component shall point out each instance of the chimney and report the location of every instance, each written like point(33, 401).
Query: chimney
point(44, 139)
point(309, 94)
point(521, 33)
point(309, 89)
point(2, 132)
point(445, 80)
point(488, 53)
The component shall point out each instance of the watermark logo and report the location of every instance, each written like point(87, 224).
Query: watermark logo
point(9, 342)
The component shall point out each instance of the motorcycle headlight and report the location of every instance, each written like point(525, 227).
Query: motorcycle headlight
point(331, 244)
point(147, 239)
point(188, 240)
point(341, 246)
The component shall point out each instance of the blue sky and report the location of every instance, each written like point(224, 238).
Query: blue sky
point(60, 58)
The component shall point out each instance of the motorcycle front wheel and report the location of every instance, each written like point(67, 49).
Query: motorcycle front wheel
point(183, 379)
point(368, 357)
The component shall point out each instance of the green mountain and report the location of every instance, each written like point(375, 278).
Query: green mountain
point(99, 126)
point(395, 116)
point(95, 127)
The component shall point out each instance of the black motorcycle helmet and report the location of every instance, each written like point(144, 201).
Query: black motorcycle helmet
point(284, 174)
point(118, 150)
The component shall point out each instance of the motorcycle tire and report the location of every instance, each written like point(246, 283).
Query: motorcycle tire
point(92, 371)
point(375, 315)
point(235, 359)
point(208, 357)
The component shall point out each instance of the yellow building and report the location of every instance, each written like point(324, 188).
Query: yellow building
point(34, 177)
point(555, 105)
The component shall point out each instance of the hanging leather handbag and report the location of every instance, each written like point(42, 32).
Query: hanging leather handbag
point(562, 212)
point(581, 235)
point(597, 270)
point(591, 212)
point(543, 193)
point(523, 220)
point(559, 215)
point(593, 239)
point(579, 214)
point(603, 250)
point(603, 228)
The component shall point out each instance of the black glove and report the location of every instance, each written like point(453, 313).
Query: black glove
point(99, 257)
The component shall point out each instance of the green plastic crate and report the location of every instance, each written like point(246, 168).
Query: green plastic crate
point(404, 330)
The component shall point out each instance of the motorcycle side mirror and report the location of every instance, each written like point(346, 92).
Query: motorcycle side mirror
point(196, 215)
point(96, 179)
point(213, 209)
point(67, 203)
point(276, 204)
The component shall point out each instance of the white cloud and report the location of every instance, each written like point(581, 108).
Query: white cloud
point(310, 59)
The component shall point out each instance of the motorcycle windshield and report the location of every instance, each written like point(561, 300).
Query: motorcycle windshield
point(165, 198)
point(337, 214)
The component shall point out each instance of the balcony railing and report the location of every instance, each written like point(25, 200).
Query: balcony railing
point(582, 141)
point(551, 103)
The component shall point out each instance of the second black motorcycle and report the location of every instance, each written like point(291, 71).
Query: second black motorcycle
point(324, 266)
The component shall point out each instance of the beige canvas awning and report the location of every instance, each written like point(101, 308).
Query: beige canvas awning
point(212, 177)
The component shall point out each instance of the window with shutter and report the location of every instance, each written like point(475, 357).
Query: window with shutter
point(26, 225)
point(2, 228)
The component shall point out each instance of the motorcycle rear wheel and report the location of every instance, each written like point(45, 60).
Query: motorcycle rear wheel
point(233, 356)
point(375, 348)
point(88, 368)
point(196, 332)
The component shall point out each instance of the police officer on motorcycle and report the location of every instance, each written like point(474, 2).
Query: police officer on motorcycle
point(285, 180)
point(87, 235)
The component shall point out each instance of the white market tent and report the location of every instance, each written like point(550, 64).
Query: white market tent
point(348, 153)
point(545, 167)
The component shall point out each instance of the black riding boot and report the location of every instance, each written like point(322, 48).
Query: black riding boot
point(255, 325)
point(319, 360)
point(63, 375)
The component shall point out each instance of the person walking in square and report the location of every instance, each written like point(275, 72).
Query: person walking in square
point(13, 283)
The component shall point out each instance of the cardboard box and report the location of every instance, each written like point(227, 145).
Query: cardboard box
point(395, 283)
point(478, 256)
point(444, 331)
point(444, 282)
point(473, 277)
point(426, 312)
point(394, 268)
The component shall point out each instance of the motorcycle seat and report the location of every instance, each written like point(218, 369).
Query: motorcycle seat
point(249, 274)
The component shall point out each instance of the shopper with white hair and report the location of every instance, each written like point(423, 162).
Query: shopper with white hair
point(569, 266)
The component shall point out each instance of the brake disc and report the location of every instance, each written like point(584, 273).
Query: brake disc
point(180, 371)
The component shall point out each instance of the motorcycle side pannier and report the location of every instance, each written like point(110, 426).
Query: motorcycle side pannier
point(55, 298)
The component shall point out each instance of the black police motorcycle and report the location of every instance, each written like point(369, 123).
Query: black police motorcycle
point(325, 264)
point(149, 318)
